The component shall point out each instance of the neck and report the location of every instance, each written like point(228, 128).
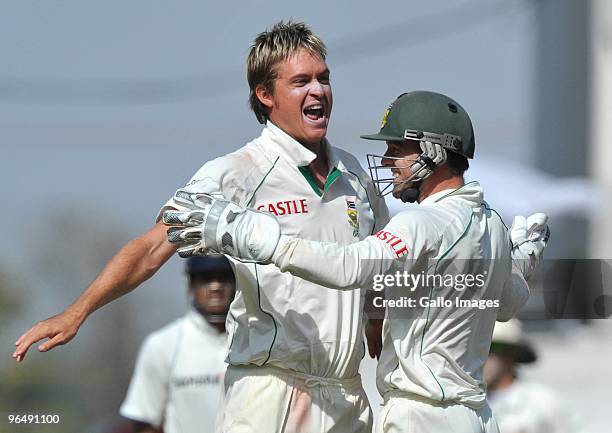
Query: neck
point(220, 327)
point(320, 165)
point(315, 147)
point(504, 382)
point(439, 182)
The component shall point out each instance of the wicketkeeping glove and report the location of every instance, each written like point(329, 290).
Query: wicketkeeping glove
point(213, 224)
point(529, 237)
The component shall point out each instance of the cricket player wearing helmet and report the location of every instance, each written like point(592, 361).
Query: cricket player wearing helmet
point(430, 369)
point(178, 374)
point(295, 347)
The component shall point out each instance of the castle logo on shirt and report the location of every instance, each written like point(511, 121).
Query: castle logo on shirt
point(285, 207)
point(353, 216)
point(395, 242)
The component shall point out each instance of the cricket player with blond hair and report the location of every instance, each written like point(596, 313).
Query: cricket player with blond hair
point(294, 345)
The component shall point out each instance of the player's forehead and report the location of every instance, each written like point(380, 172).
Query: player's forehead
point(301, 62)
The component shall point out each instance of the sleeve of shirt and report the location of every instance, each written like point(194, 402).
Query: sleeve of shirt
point(351, 266)
point(513, 296)
point(148, 391)
point(226, 175)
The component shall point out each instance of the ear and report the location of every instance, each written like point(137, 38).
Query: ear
point(264, 96)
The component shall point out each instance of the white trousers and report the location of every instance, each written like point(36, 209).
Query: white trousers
point(274, 400)
point(401, 414)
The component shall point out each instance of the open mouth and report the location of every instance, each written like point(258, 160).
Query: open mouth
point(314, 112)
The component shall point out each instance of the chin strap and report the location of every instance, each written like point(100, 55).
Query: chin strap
point(432, 157)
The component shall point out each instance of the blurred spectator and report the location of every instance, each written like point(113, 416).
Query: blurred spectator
point(179, 370)
point(520, 406)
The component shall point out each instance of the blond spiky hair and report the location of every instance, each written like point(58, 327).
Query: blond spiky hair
point(272, 47)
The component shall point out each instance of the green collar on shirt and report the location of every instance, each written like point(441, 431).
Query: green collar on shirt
point(331, 178)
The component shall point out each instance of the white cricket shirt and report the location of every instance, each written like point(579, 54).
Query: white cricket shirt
point(178, 377)
point(435, 352)
point(277, 319)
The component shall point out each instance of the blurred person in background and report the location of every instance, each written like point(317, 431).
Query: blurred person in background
point(180, 367)
point(518, 405)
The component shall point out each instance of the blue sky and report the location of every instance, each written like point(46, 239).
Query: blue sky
point(109, 107)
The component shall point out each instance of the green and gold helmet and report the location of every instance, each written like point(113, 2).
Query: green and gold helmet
point(438, 123)
point(428, 116)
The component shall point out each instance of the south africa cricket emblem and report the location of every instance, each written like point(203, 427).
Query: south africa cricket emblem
point(383, 122)
point(353, 216)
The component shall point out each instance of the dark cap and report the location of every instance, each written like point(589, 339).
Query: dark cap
point(206, 264)
point(508, 341)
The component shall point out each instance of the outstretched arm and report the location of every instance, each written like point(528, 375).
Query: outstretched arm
point(133, 264)
point(214, 224)
point(333, 265)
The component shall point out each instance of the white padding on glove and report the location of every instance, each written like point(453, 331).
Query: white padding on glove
point(214, 224)
point(529, 237)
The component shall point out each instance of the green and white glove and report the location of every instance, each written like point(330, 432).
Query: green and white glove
point(214, 224)
point(529, 237)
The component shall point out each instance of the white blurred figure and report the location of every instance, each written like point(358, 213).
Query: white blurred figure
point(520, 406)
point(177, 379)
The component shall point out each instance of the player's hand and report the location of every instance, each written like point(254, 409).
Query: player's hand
point(373, 332)
point(214, 224)
point(529, 237)
point(59, 329)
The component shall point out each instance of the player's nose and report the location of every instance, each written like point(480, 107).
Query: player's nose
point(316, 88)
